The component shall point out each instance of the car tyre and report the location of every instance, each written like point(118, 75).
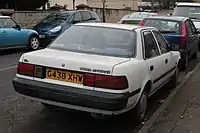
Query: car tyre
point(33, 42)
point(138, 113)
point(196, 53)
point(184, 63)
point(175, 79)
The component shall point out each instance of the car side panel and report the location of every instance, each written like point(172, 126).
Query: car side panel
point(136, 72)
point(2, 39)
point(15, 37)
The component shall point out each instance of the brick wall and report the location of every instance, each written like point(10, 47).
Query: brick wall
point(30, 18)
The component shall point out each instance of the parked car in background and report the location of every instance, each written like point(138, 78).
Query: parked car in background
point(99, 68)
point(13, 36)
point(178, 31)
point(188, 9)
point(54, 24)
point(136, 17)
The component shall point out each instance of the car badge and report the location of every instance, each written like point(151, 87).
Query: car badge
point(63, 65)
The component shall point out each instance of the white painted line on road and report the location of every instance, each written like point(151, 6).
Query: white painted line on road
point(7, 68)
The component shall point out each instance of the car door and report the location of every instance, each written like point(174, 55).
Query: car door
point(169, 63)
point(153, 59)
point(195, 36)
point(2, 38)
point(13, 36)
point(191, 37)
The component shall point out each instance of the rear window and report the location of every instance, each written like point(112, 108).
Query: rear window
point(187, 11)
point(97, 40)
point(130, 21)
point(165, 26)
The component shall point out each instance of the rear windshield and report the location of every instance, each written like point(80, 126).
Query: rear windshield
point(165, 26)
point(97, 40)
point(130, 21)
point(187, 11)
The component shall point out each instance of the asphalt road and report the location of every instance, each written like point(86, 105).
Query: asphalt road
point(20, 115)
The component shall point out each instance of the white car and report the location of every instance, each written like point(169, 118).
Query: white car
point(136, 17)
point(99, 68)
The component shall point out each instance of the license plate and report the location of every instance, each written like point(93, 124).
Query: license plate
point(41, 36)
point(64, 76)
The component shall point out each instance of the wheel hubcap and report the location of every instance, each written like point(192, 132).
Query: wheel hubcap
point(143, 103)
point(34, 43)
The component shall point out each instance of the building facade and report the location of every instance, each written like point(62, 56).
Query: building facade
point(118, 4)
point(68, 3)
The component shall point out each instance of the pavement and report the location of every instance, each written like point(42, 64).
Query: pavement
point(21, 115)
point(182, 114)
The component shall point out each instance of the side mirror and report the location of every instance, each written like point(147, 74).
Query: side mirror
point(18, 27)
point(197, 31)
point(174, 48)
point(170, 14)
point(76, 21)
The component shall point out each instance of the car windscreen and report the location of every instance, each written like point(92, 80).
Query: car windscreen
point(97, 40)
point(164, 25)
point(187, 11)
point(56, 17)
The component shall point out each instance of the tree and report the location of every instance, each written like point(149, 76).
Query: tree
point(22, 4)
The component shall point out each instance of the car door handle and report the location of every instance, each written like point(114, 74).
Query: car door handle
point(151, 68)
point(166, 61)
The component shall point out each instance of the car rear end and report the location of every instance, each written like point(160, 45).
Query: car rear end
point(79, 74)
point(135, 18)
point(174, 32)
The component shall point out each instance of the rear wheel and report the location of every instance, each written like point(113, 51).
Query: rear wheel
point(184, 63)
point(175, 79)
point(138, 113)
point(196, 53)
point(33, 43)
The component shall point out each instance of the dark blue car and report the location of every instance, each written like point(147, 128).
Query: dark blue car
point(178, 31)
point(54, 24)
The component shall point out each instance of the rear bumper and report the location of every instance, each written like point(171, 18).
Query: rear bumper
point(72, 96)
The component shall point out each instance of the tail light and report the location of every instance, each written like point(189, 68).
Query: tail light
point(105, 81)
point(29, 70)
point(183, 33)
point(25, 69)
point(141, 22)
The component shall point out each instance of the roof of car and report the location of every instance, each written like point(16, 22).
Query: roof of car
point(112, 25)
point(187, 4)
point(176, 18)
point(73, 11)
point(5, 16)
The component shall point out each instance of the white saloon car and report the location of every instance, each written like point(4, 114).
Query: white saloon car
point(99, 68)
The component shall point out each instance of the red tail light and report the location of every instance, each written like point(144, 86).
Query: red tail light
point(30, 70)
point(89, 80)
point(25, 69)
point(104, 81)
point(141, 22)
point(183, 33)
